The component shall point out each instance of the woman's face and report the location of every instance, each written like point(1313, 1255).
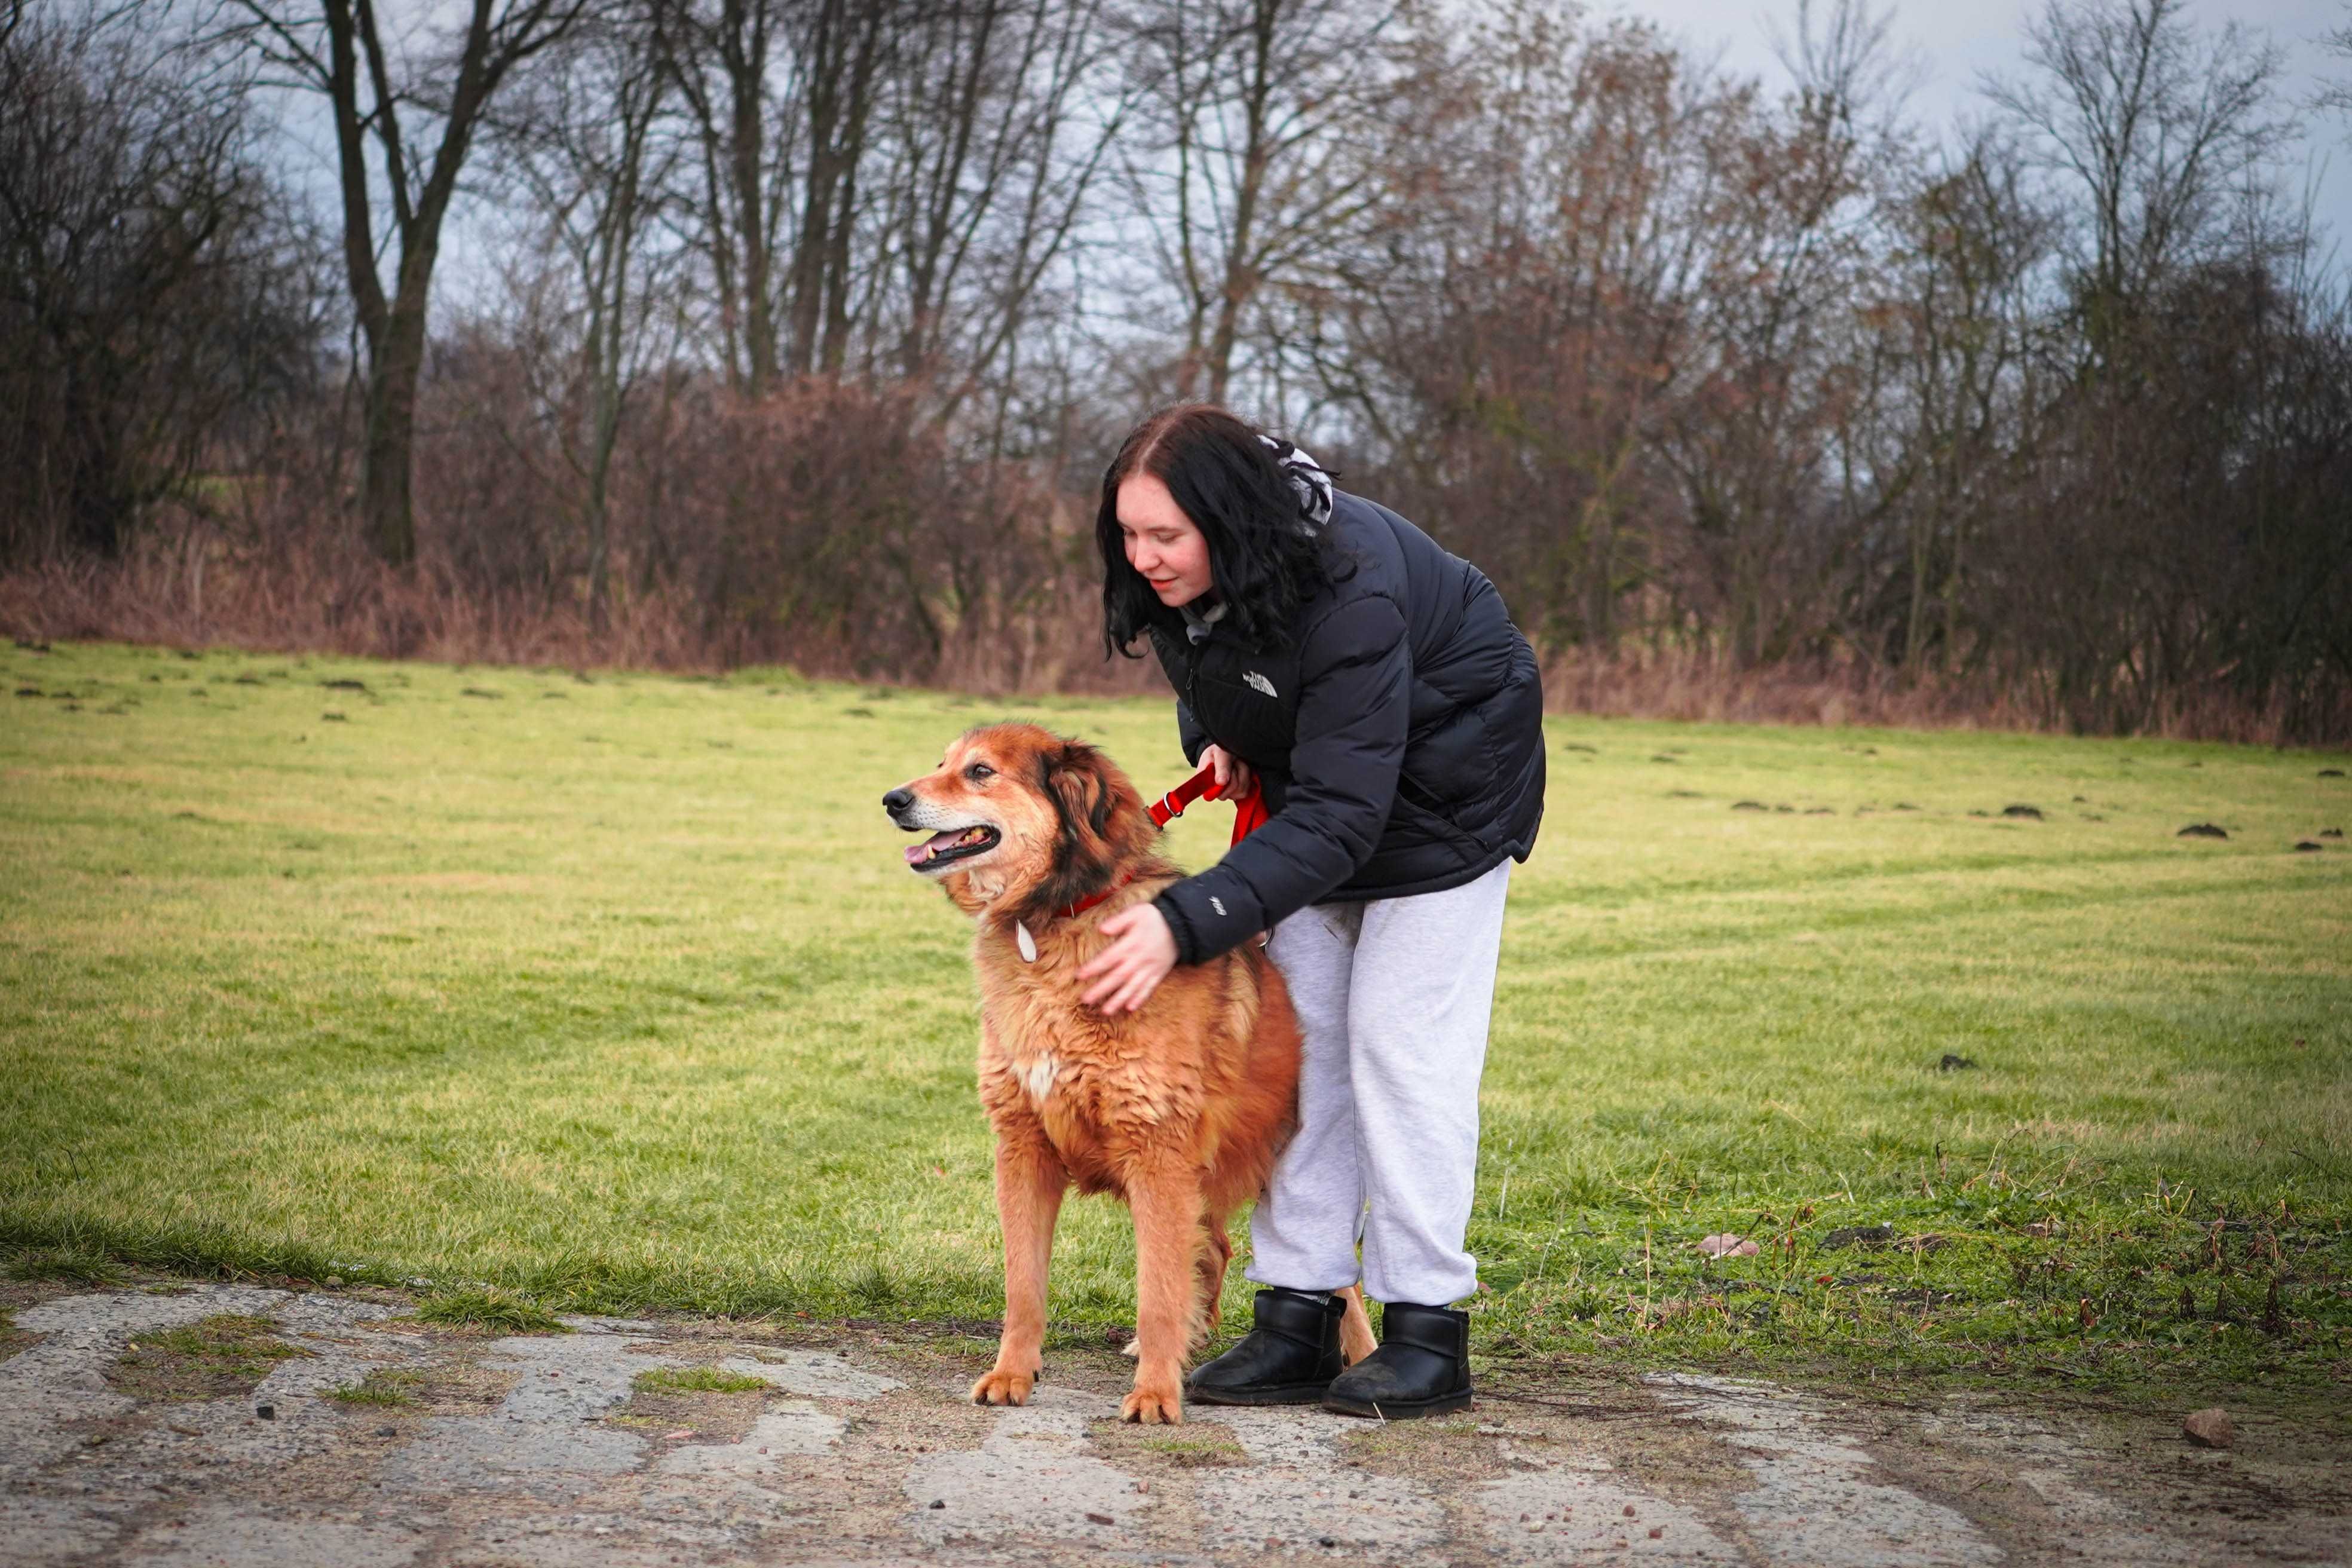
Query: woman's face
point(1161, 542)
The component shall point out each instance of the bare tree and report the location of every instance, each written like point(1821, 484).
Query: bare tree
point(2155, 124)
point(784, 94)
point(1241, 184)
point(2337, 96)
point(1514, 344)
point(382, 103)
point(997, 126)
point(720, 62)
point(586, 141)
point(1957, 317)
point(1781, 371)
point(844, 51)
point(155, 294)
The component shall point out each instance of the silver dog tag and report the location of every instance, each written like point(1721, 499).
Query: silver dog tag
point(1025, 942)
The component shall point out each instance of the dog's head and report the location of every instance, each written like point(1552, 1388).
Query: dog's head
point(1022, 820)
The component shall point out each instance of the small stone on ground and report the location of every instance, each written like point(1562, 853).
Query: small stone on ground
point(2210, 1428)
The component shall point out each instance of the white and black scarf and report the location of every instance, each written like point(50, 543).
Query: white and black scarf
point(1308, 477)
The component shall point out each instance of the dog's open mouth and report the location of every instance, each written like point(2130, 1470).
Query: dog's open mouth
point(956, 844)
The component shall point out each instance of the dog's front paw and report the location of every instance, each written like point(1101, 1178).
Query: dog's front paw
point(1003, 1386)
point(1153, 1405)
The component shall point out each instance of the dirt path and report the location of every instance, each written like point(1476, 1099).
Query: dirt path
point(133, 1430)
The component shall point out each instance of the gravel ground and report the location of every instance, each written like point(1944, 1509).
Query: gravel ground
point(128, 1436)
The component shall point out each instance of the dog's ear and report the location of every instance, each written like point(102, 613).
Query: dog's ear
point(1101, 821)
point(1075, 778)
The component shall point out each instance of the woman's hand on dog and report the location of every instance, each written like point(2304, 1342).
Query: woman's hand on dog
point(1142, 952)
point(1234, 778)
point(1142, 949)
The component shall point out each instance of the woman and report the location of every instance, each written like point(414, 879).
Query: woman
point(1374, 689)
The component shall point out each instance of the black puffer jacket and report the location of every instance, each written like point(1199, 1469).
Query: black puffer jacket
point(1399, 740)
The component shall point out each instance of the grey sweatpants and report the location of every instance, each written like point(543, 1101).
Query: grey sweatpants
point(1394, 997)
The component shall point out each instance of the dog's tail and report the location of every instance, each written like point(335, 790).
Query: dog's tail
point(1355, 1340)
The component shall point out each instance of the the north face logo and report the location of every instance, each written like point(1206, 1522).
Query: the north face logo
point(1216, 903)
point(1258, 682)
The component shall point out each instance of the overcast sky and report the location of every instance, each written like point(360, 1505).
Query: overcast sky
point(1951, 42)
point(1955, 42)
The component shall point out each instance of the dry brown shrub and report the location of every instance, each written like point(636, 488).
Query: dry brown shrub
point(312, 596)
point(1708, 687)
point(829, 527)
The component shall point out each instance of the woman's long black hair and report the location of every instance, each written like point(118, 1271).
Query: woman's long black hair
point(1265, 565)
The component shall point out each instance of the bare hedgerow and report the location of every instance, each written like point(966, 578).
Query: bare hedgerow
point(158, 295)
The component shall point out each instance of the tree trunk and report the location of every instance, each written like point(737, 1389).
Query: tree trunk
point(599, 534)
point(606, 376)
point(387, 513)
point(746, 60)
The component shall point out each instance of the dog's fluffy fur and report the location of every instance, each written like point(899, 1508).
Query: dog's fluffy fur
point(1179, 1108)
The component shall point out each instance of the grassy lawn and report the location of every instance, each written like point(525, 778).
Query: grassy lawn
point(615, 994)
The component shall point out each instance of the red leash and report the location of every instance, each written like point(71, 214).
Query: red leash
point(1249, 815)
point(1249, 810)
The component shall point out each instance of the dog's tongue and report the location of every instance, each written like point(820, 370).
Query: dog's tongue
point(918, 853)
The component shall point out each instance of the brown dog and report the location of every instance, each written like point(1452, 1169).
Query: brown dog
point(1179, 1108)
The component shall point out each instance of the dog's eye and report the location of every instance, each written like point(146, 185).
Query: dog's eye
point(979, 771)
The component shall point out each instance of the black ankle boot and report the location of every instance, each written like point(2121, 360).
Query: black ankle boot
point(1422, 1367)
point(1289, 1357)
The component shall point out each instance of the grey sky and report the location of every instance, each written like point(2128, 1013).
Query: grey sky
point(1956, 41)
point(1953, 42)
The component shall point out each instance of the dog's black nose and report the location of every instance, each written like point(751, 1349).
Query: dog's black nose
point(897, 800)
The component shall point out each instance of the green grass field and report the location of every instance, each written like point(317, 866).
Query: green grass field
point(614, 992)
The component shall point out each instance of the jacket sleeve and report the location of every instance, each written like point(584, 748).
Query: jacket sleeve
point(1354, 704)
point(1189, 733)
